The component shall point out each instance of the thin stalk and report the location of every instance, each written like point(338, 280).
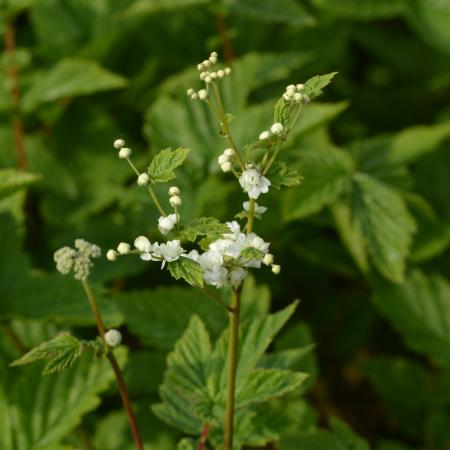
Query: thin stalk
point(13, 74)
point(215, 298)
point(251, 215)
point(232, 366)
point(226, 127)
point(272, 159)
point(150, 190)
point(116, 368)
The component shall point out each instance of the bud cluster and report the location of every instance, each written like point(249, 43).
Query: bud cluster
point(295, 93)
point(225, 160)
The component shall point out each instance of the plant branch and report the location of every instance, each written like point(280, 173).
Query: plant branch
point(215, 298)
point(233, 328)
point(116, 368)
point(13, 74)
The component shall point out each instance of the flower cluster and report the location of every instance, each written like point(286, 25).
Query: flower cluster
point(225, 160)
point(208, 76)
point(295, 94)
point(174, 196)
point(276, 129)
point(254, 183)
point(76, 259)
point(225, 261)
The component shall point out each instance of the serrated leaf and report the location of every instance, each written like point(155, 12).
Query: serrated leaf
point(12, 180)
point(419, 310)
point(69, 78)
point(326, 172)
point(162, 167)
point(205, 226)
point(189, 270)
point(59, 353)
point(280, 174)
point(264, 384)
point(315, 85)
point(386, 223)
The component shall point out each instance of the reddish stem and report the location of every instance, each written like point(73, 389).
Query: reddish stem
point(203, 437)
point(227, 49)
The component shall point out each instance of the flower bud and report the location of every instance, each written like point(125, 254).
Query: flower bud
point(119, 143)
point(298, 97)
point(175, 201)
point(300, 87)
point(268, 259)
point(174, 190)
point(226, 166)
point(277, 128)
point(142, 244)
point(276, 269)
point(111, 255)
point(143, 179)
point(229, 152)
point(202, 93)
point(264, 135)
point(222, 159)
point(113, 338)
point(189, 92)
point(123, 248)
point(124, 153)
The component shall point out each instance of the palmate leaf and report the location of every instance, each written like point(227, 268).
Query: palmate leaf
point(419, 310)
point(194, 387)
point(59, 353)
point(189, 270)
point(43, 419)
point(162, 167)
point(381, 215)
point(210, 227)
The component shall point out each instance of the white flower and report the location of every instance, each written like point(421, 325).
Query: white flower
point(276, 269)
point(123, 248)
point(254, 183)
point(113, 338)
point(166, 223)
point(202, 93)
point(174, 190)
point(226, 166)
point(193, 254)
point(259, 210)
point(119, 143)
point(268, 259)
point(222, 159)
point(277, 128)
point(216, 277)
point(111, 255)
point(142, 244)
point(229, 152)
point(255, 241)
point(170, 251)
point(143, 179)
point(124, 153)
point(264, 135)
point(175, 200)
point(237, 276)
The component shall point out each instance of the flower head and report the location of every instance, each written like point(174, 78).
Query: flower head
point(254, 183)
point(113, 338)
point(166, 223)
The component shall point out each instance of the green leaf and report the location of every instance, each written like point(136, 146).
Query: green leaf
point(205, 226)
point(264, 384)
point(59, 353)
point(281, 174)
point(326, 172)
point(361, 9)
point(420, 311)
point(187, 269)
point(12, 180)
point(187, 444)
point(252, 253)
point(381, 214)
point(162, 167)
point(71, 77)
point(315, 85)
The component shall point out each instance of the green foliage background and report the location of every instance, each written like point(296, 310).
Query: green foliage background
point(363, 242)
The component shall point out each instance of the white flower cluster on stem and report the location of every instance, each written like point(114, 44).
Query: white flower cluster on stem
point(225, 160)
point(295, 94)
point(254, 183)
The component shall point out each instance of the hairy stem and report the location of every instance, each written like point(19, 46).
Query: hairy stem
point(13, 74)
point(116, 368)
point(232, 365)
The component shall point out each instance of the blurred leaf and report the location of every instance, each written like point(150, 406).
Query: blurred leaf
point(325, 173)
point(361, 9)
point(280, 174)
point(142, 7)
point(12, 180)
point(70, 78)
point(420, 311)
point(381, 215)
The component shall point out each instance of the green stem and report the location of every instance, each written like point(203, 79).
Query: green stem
point(251, 215)
point(232, 366)
point(216, 298)
point(226, 127)
point(116, 368)
point(156, 201)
